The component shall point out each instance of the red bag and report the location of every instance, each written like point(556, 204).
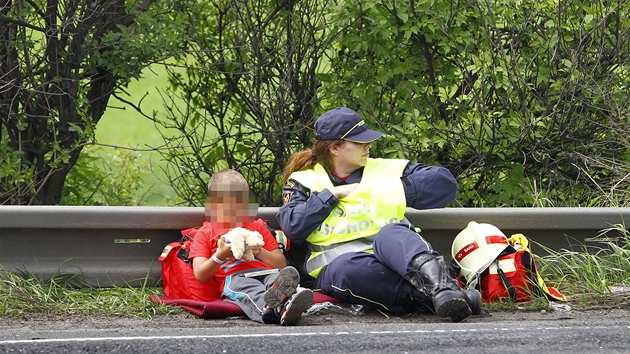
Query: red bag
point(508, 277)
point(513, 276)
point(178, 279)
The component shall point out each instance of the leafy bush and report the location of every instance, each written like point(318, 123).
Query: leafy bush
point(521, 100)
point(115, 179)
point(525, 102)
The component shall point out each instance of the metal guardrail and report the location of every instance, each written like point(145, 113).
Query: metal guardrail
point(105, 246)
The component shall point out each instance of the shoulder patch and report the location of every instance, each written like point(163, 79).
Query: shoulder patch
point(286, 197)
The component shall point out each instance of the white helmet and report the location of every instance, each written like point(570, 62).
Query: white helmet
point(475, 247)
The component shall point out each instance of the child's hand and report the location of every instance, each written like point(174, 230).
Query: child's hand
point(224, 249)
point(256, 250)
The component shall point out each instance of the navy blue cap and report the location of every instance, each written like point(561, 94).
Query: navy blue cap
point(344, 124)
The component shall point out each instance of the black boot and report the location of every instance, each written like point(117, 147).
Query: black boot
point(473, 298)
point(430, 276)
point(412, 300)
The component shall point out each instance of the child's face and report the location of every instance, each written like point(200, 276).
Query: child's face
point(230, 209)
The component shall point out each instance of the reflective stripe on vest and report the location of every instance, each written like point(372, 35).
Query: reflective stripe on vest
point(359, 244)
point(334, 251)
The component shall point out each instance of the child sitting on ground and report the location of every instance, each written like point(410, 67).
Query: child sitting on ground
point(264, 293)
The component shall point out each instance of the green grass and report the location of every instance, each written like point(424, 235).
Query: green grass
point(27, 294)
point(593, 276)
point(123, 126)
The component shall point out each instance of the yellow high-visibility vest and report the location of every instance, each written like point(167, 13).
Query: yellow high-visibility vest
point(377, 201)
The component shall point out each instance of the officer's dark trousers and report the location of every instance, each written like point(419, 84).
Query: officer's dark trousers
point(375, 279)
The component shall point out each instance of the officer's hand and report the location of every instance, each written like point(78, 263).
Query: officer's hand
point(344, 189)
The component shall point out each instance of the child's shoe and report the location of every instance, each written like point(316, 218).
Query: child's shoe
point(283, 287)
point(292, 310)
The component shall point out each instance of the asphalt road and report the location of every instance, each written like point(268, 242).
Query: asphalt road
point(602, 335)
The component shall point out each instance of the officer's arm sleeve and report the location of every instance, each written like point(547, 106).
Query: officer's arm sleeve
point(428, 187)
point(303, 212)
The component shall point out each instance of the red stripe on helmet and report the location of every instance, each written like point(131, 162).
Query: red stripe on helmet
point(466, 250)
point(496, 239)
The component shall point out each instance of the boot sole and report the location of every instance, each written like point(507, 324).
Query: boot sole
point(456, 309)
point(296, 306)
point(283, 287)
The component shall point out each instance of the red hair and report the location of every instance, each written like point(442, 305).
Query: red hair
point(305, 159)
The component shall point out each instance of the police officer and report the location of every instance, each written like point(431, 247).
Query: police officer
point(348, 209)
